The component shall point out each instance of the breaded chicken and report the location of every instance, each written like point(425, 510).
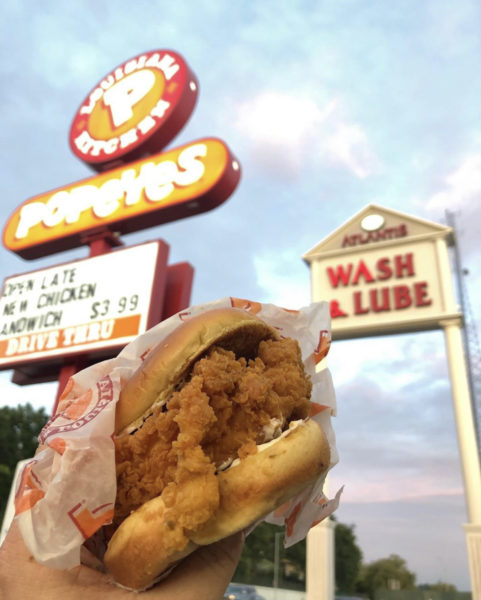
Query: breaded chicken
point(226, 407)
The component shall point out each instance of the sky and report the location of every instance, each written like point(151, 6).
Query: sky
point(329, 106)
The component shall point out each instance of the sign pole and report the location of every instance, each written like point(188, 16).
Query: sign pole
point(320, 550)
point(467, 447)
point(102, 242)
point(320, 568)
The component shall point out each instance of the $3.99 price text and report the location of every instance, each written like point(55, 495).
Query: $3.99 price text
point(124, 304)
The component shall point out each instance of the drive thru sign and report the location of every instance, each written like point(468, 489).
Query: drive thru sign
point(81, 306)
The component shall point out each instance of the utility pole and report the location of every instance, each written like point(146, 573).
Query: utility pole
point(469, 332)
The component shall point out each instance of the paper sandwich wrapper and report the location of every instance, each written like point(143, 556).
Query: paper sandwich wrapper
point(67, 491)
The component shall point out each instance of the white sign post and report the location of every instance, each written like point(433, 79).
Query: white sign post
point(83, 306)
point(385, 272)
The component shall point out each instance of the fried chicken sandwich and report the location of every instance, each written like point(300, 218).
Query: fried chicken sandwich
point(212, 434)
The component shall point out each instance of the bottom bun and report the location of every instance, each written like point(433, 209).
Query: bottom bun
point(261, 482)
point(147, 543)
point(144, 546)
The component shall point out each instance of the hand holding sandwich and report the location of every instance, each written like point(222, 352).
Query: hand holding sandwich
point(204, 575)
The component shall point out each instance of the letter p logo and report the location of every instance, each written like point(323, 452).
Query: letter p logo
point(125, 94)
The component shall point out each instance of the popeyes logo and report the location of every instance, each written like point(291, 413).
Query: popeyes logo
point(168, 186)
point(135, 110)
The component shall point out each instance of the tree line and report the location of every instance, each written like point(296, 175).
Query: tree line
point(352, 575)
point(19, 429)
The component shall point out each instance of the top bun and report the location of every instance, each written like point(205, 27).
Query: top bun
point(169, 363)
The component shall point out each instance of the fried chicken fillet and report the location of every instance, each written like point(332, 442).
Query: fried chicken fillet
point(228, 406)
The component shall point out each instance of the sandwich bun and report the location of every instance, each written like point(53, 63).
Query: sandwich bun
point(170, 362)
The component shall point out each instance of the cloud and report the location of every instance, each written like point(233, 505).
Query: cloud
point(462, 187)
point(348, 146)
point(460, 195)
point(395, 426)
point(286, 133)
point(454, 32)
point(280, 118)
point(280, 129)
point(278, 276)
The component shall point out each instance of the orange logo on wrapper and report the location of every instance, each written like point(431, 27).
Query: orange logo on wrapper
point(62, 423)
point(78, 407)
point(29, 491)
point(137, 108)
point(67, 389)
point(322, 502)
point(58, 444)
point(282, 510)
point(316, 408)
point(290, 521)
point(247, 305)
point(323, 346)
point(87, 521)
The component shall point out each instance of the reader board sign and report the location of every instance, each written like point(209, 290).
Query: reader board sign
point(83, 306)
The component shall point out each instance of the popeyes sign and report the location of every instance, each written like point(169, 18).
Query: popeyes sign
point(165, 187)
point(383, 272)
point(131, 114)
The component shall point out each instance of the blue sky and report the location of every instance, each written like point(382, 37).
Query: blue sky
point(329, 106)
